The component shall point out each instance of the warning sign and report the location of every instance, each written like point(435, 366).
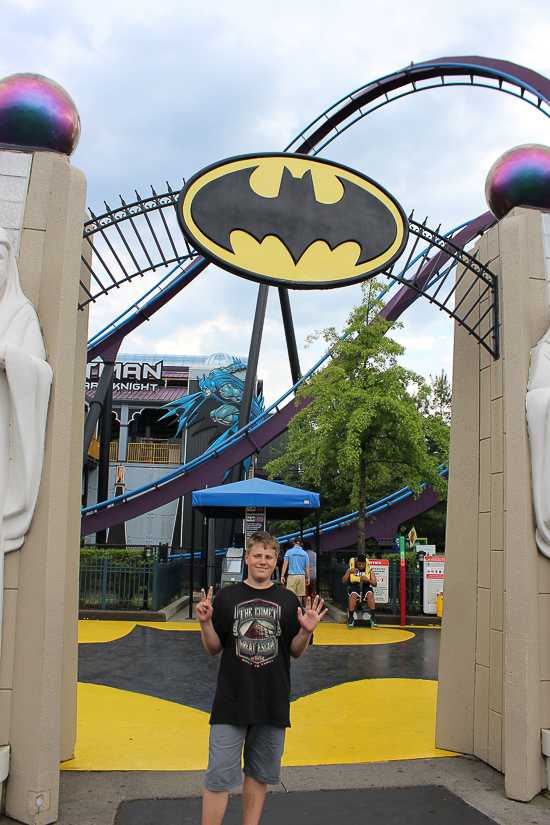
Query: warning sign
point(434, 573)
point(381, 569)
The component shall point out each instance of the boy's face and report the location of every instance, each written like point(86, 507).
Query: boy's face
point(261, 563)
point(361, 566)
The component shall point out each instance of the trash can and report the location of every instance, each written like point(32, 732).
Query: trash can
point(439, 606)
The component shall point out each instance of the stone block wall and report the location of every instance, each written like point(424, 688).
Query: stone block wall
point(40, 621)
point(494, 693)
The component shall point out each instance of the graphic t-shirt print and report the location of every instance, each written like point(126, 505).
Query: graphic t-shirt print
point(257, 626)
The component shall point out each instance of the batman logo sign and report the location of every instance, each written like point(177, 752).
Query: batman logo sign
point(292, 220)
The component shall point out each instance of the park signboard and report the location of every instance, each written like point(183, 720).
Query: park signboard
point(434, 574)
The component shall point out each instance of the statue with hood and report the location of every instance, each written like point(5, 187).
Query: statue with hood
point(25, 381)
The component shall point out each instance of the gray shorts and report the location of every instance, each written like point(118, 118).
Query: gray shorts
point(263, 751)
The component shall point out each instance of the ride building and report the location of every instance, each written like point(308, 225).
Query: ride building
point(166, 411)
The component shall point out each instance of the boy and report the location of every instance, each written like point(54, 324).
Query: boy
point(360, 580)
point(259, 626)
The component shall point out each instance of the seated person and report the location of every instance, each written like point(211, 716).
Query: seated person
point(360, 580)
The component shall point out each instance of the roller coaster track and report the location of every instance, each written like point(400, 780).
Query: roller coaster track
point(210, 468)
point(382, 519)
point(481, 72)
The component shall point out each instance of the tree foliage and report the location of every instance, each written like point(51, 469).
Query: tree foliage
point(435, 398)
point(362, 435)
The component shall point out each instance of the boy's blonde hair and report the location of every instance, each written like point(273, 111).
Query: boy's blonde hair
point(266, 539)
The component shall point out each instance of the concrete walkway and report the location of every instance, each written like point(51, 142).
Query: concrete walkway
point(94, 798)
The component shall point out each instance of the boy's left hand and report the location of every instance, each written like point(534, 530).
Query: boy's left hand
point(313, 615)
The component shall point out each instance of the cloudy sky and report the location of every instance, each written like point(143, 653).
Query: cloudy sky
point(168, 87)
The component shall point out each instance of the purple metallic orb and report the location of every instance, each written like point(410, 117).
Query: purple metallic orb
point(36, 113)
point(520, 177)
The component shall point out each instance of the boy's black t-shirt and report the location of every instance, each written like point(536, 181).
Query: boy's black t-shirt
point(256, 628)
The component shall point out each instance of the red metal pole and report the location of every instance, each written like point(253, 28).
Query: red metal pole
point(402, 577)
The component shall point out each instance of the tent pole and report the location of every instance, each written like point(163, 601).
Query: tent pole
point(317, 549)
point(210, 553)
point(204, 552)
point(192, 563)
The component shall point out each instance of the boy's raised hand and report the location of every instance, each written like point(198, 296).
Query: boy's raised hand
point(203, 609)
point(313, 615)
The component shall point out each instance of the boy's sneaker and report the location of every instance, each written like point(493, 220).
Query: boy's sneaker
point(373, 622)
point(351, 620)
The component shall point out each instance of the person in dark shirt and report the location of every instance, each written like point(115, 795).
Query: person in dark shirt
point(258, 626)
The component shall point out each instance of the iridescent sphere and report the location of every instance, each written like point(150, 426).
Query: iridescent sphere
point(37, 113)
point(520, 177)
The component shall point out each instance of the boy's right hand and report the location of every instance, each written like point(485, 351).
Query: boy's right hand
point(203, 609)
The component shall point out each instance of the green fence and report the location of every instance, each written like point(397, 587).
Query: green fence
point(413, 589)
point(129, 585)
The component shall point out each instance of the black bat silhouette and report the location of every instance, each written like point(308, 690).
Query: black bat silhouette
point(294, 216)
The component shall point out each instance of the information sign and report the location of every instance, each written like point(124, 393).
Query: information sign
point(434, 571)
point(381, 569)
point(254, 520)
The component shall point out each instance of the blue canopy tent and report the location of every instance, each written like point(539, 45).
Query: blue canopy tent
point(231, 501)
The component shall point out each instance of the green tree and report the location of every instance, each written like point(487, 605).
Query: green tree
point(436, 398)
point(362, 436)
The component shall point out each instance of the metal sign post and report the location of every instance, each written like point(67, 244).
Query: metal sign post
point(402, 578)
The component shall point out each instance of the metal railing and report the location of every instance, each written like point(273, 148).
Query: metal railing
point(129, 585)
point(154, 453)
point(113, 451)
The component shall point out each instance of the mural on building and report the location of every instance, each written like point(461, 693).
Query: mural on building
point(223, 385)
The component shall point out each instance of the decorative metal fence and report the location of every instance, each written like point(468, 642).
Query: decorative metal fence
point(129, 585)
point(413, 589)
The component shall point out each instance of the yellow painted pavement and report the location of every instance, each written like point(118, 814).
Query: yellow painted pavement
point(122, 731)
point(93, 631)
point(373, 720)
point(341, 634)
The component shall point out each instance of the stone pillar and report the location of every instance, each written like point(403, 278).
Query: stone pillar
point(494, 676)
point(38, 668)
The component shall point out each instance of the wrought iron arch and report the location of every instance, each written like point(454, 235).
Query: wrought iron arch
point(147, 247)
point(432, 281)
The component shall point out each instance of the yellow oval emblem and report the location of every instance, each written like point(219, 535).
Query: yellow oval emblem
point(292, 220)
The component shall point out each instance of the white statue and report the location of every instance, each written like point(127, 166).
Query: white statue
point(25, 381)
point(537, 407)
